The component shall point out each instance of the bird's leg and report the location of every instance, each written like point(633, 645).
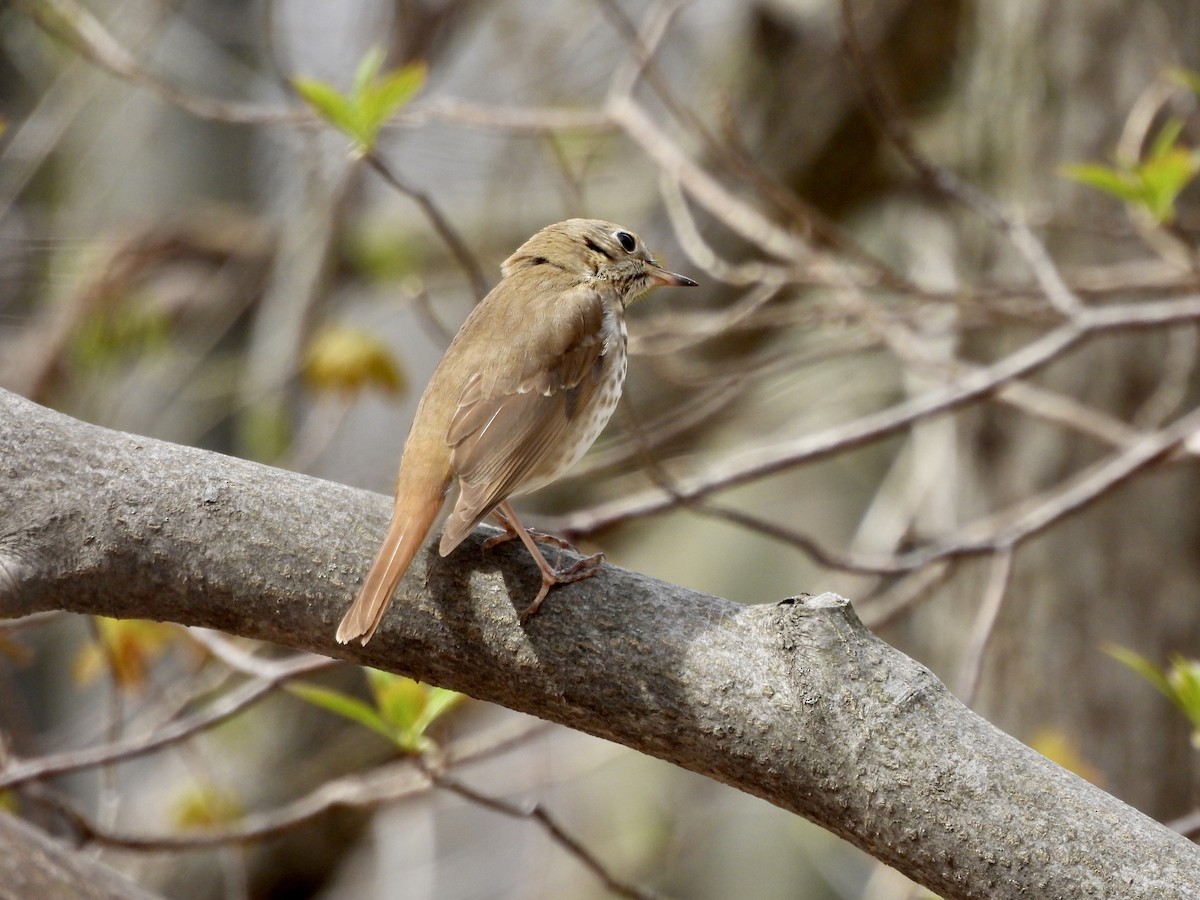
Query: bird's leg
point(510, 532)
point(584, 568)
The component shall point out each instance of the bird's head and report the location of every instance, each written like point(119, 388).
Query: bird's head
point(597, 250)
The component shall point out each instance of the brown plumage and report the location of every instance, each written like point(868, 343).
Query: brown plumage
point(524, 389)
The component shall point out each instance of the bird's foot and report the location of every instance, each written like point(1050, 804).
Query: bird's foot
point(577, 571)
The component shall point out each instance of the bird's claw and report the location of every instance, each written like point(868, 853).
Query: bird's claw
point(579, 570)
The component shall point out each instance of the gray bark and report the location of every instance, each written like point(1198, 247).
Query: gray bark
point(794, 702)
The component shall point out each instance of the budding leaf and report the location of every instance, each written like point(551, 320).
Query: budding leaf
point(1180, 683)
point(1151, 185)
point(372, 100)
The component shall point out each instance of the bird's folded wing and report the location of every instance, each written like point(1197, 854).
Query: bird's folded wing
point(514, 413)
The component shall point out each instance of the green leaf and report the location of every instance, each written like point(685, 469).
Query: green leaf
point(330, 105)
point(399, 699)
point(378, 100)
point(392, 92)
point(1104, 178)
point(1184, 678)
point(372, 99)
point(403, 709)
point(368, 69)
point(1152, 185)
point(206, 806)
point(1163, 178)
point(410, 707)
point(1180, 683)
point(343, 705)
point(1141, 666)
point(437, 702)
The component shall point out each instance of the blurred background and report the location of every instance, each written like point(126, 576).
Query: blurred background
point(187, 251)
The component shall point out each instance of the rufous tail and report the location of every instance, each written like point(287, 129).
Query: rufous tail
point(405, 535)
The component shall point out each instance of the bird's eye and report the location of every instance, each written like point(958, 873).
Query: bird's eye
point(626, 240)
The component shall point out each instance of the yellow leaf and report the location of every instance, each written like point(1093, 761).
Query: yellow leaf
point(124, 648)
point(350, 360)
point(206, 806)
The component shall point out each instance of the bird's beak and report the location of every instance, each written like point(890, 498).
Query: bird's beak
point(660, 277)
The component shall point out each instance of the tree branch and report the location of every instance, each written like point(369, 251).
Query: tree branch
point(794, 702)
point(34, 865)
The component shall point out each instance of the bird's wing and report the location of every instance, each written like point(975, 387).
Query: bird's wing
point(514, 412)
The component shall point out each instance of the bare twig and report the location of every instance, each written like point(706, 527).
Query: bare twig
point(730, 209)
point(750, 465)
point(72, 22)
point(887, 605)
point(389, 783)
point(855, 563)
point(51, 765)
point(228, 651)
point(700, 252)
point(448, 233)
point(999, 576)
point(539, 816)
point(75, 24)
point(644, 41)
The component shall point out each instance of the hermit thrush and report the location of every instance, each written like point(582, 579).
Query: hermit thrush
point(524, 389)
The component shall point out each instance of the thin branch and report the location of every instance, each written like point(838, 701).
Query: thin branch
point(1002, 531)
point(731, 210)
point(1037, 513)
point(512, 119)
point(854, 563)
point(999, 577)
point(1066, 412)
point(448, 233)
point(540, 817)
point(700, 252)
point(825, 232)
point(1179, 364)
point(759, 462)
point(885, 606)
point(385, 784)
point(369, 790)
point(20, 771)
point(227, 651)
point(644, 41)
point(73, 23)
